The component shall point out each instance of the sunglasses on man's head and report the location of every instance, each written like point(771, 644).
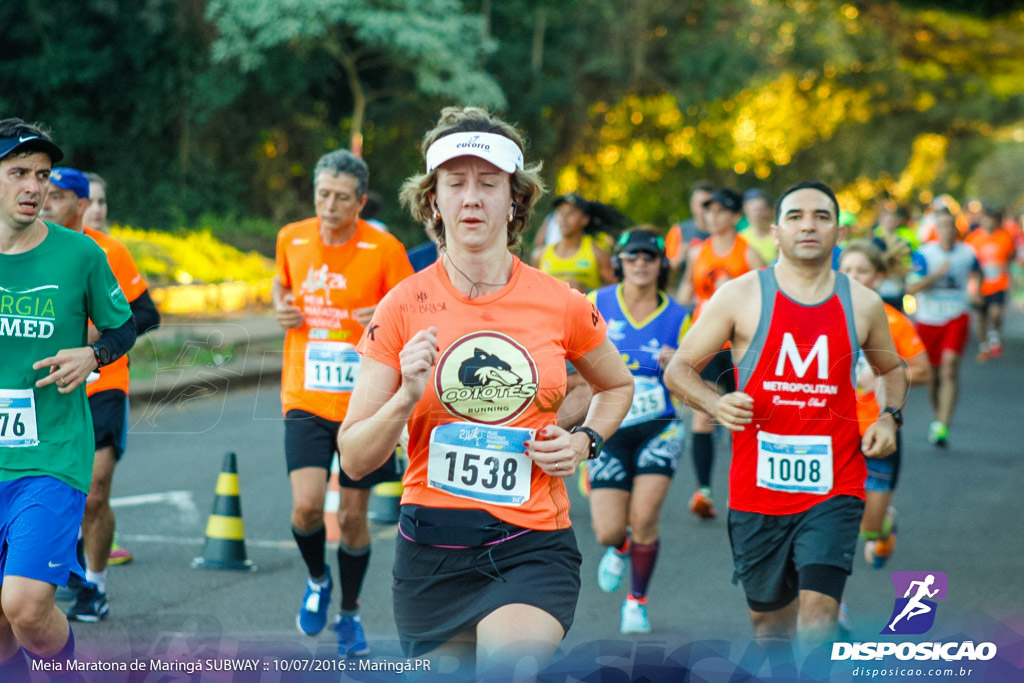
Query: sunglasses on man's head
point(634, 255)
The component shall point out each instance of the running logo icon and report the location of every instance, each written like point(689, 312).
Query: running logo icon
point(916, 593)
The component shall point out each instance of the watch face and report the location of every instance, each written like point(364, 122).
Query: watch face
point(102, 354)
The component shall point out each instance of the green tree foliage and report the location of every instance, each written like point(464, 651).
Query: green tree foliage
point(219, 108)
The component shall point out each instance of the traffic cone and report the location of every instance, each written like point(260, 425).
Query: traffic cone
point(331, 502)
point(384, 502)
point(225, 534)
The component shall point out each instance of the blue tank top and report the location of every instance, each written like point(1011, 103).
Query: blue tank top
point(639, 342)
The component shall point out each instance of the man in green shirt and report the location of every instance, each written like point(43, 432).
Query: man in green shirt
point(53, 282)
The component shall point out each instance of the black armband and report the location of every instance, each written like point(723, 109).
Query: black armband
point(115, 342)
point(147, 318)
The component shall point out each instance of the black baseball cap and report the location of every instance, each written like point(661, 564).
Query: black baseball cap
point(573, 199)
point(729, 199)
point(642, 240)
point(10, 144)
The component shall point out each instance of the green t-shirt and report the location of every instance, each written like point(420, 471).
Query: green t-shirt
point(47, 296)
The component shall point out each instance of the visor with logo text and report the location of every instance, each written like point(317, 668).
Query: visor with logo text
point(496, 149)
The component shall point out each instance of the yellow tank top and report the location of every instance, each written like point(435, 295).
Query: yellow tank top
point(764, 246)
point(580, 268)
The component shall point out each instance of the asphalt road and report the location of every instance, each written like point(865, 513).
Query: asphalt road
point(958, 513)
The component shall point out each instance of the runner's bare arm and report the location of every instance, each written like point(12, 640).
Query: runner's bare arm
point(713, 328)
point(918, 284)
point(919, 369)
point(612, 387)
point(382, 401)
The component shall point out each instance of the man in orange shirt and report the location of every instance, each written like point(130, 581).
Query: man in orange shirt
point(995, 250)
point(723, 256)
point(107, 390)
point(690, 232)
point(332, 270)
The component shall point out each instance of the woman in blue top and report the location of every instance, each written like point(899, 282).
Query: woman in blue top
point(631, 477)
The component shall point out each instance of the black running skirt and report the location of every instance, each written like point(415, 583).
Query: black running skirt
point(441, 592)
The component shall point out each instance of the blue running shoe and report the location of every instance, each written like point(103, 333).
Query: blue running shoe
point(313, 612)
point(70, 591)
point(351, 638)
point(90, 604)
point(610, 570)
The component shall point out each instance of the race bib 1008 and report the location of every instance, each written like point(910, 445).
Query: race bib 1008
point(794, 464)
point(480, 462)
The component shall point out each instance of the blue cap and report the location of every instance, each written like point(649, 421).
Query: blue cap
point(754, 193)
point(8, 145)
point(71, 179)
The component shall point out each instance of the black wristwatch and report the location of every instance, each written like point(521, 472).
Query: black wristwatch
point(596, 441)
point(897, 415)
point(102, 354)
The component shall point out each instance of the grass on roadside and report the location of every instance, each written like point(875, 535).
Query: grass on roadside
point(150, 356)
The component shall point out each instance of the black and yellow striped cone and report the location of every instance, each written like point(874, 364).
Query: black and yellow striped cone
point(385, 502)
point(225, 535)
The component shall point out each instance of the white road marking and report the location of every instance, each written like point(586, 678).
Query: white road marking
point(182, 500)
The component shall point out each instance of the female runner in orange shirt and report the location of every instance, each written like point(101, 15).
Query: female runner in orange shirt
point(471, 353)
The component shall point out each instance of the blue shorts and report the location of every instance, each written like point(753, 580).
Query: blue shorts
point(883, 473)
point(39, 521)
point(652, 447)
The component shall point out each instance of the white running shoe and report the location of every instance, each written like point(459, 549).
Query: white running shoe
point(634, 617)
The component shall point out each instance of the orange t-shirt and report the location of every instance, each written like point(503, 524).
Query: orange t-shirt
point(995, 250)
point(115, 375)
point(673, 242)
point(908, 345)
point(501, 364)
point(711, 269)
point(330, 283)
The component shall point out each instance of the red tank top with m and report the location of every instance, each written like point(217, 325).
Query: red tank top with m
point(803, 445)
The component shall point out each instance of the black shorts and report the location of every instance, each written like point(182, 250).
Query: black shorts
point(312, 441)
point(652, 447)
point(768, 551)
point(720, 372)
point(110, 420)
point(990, 300)
point(441, 592)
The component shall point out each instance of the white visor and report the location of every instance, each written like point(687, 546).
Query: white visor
point(497, 149)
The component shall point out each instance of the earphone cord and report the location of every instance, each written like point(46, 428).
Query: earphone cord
point(475, 289)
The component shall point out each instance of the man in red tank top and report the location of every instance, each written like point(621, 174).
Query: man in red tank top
point(796, 483)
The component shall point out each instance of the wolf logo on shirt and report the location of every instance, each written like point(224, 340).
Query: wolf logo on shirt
point(486, 377)
point(484, 369)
